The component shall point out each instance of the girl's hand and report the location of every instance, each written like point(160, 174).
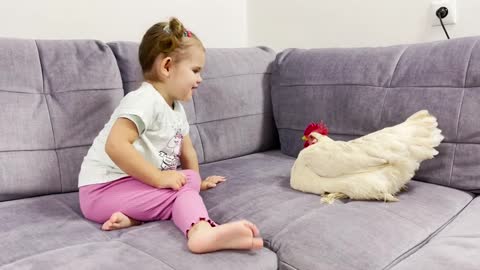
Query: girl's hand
point(171, 179)
point(211, 182)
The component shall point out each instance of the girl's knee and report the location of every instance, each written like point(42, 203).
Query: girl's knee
point(193, 179)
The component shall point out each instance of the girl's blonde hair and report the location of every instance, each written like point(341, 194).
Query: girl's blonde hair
point(168, 38)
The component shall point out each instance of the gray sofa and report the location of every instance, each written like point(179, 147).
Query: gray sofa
point(246, 122)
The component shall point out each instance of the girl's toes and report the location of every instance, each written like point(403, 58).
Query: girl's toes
point(252, 227)
point(257, 243)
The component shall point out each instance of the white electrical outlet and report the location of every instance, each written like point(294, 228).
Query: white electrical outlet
point(451, 5)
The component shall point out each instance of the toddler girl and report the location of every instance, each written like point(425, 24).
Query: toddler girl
point(130, 172)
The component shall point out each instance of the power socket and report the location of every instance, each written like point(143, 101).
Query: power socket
point(451, 18)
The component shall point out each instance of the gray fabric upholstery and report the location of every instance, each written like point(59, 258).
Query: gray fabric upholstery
point(126, 53)
point(455, 247)
point(307, 234)
point(358, 91)
point(74, 87)
point(49, 232)
point(233, 100)
point(55, 97)
point(304, 233)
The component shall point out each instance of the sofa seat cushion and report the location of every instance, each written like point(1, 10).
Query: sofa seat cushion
point(49, 232)
point(455, 247)
point(93, 255)
point(307, 234)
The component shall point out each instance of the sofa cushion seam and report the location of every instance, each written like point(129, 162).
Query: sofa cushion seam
point(359, 135)
point(49, 116)
point(383, 106)
point(196, 126)
point(425, 241)
point(235, 117)
point(396, 65)
point(468, 64)
point(377, 86)
point(295, 268)
point(54, 149)
point(214, 78)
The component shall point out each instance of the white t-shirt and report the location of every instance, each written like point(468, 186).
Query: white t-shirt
point(160, 128)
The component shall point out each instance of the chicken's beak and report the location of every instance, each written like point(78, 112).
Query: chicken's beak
point(304, 138)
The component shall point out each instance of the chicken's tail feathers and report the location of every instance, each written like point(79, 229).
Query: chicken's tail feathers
point(426, 133)
point(420, 115)
point(424, 120)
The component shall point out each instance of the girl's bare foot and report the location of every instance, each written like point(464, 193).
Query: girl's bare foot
point(118, 220)
point(241, 234)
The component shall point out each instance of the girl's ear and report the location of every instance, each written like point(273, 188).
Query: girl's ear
point(163, 66)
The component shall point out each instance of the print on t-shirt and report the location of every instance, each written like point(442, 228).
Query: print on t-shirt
point(170, 155)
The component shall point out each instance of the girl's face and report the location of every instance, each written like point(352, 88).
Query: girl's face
point(185, 74)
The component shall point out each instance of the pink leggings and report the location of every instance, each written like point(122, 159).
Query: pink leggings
point(144, 202)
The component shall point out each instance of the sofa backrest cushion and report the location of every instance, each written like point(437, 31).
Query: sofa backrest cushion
point(230, 114)
point(356, 91)
point(55, 98)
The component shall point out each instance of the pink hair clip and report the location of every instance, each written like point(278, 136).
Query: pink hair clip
point(187, 33)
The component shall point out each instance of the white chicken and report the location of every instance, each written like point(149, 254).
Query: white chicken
point(373, 167)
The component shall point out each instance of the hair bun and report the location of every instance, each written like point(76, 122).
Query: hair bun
point(176, 28)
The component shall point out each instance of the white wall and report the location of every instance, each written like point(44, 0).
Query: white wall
point(281, 24)
point(277, 24)
point(218, 23)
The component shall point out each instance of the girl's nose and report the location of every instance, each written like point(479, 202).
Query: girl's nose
point(199, 79)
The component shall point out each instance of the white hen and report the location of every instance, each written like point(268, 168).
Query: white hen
point(373, 167)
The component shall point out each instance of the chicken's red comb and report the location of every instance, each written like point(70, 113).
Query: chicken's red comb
point(319, 127)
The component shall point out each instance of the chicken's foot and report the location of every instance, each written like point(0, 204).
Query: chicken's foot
point(330, 198)
point(390, 198)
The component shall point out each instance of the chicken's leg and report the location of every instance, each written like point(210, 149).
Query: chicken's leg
point(390, 198)
point(330, 198)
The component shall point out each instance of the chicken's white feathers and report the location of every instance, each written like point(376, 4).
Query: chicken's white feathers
point(375, 166)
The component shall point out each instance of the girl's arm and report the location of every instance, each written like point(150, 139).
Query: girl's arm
point(189, 160)
point(120, 149)
point(188, 155)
